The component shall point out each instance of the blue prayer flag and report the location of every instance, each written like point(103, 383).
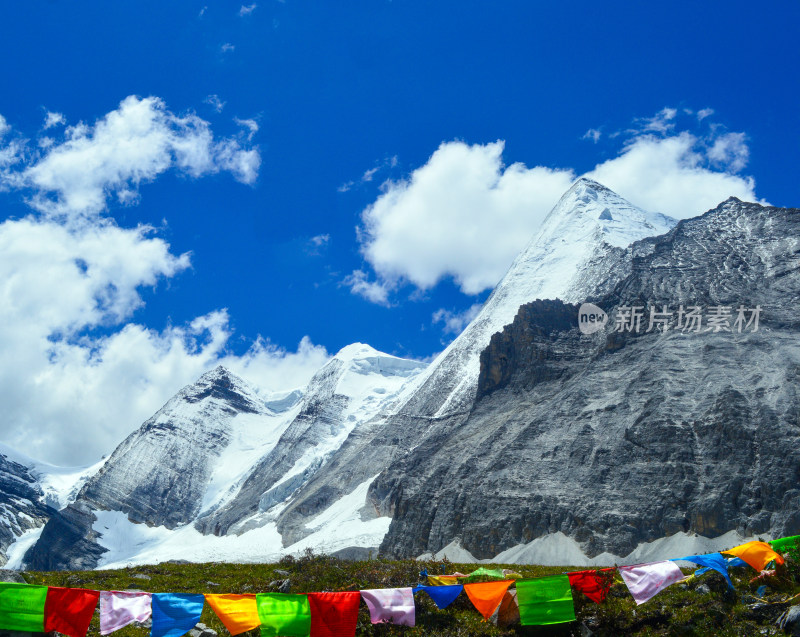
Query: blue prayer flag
point(712, 560)
point(442, 596)
point(175, 614)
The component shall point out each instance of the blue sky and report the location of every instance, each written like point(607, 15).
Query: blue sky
point(318, 174)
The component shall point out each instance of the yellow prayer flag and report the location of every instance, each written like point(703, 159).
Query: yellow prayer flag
point(238, 613)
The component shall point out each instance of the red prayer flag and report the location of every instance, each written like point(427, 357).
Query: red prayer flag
point(69, 610)
point(593, 584)
point(334, 614)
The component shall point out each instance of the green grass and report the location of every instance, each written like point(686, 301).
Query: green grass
point(681, 609)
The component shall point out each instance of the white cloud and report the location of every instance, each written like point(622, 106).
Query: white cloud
point(52, 119)
point(369, 174)
point(127, 147)
point(320, 240)
point(455, 322)
point(316, 245)
point(466, 215)
point(267, 365)
point(4, 127)
point(730, 150)
point(215, 102)
point(77, 372)
point(704, 112)
point(227, 47)
point(247, 10)
point(250, 124)
point(374, 291)
point(672, 175)
point(463, 214)
point(71, 391)
point(593, 134)
point(662, 122)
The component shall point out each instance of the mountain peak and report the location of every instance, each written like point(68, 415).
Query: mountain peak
point(587, 223)
point(357, 350)
point(218, 373)
point(584, 183)
point(591, 212)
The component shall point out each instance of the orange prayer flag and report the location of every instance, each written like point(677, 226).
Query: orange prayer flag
point(239, 613)
point(486, 596)
point(756, 554)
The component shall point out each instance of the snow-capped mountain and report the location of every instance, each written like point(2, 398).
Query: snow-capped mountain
point(579, 250)
point(195, 447)
point(590, 448)
point(347, 391)
point(523, 437)
point(218, 452)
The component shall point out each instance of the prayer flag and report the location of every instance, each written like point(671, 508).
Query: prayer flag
point(756, 554)
point(284, 615)
point(442, 580)
point(118, 609)
point(238, 613)
point(390, 605)
point(22, 607)
point(492, 573)
point(593, 584)
point(785, 543)
point(442, 596)
point(69, 611)
point(334, 614)
point(646, 580)
point(545, 600)
point(712, 560)
point(486, 596)
point(175, 614)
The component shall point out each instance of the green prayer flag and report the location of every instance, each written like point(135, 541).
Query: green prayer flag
point(22, 607)
point(785, 543)
point(545, 600)
point(490, 573)
point(284, 615)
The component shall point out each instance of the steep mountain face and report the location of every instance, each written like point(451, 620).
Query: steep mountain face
point(179, 462)
point(619, 438)
point(162, 473)
point(581, 247)
point(349, 390)
point(579, 250)
point(218, 458)
point(22, 506)
point(524, 430)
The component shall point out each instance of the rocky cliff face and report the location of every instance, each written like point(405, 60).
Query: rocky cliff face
point(347, 392)
point(219, 458)
point(179, 462)
point(620, 438)
point(613, 438)
point(581, 247)
point(579, 250)
point(21, 503)
point(159, 475)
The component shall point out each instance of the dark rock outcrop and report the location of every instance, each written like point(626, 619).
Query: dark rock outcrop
point(21, 505)
point(67, 538)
